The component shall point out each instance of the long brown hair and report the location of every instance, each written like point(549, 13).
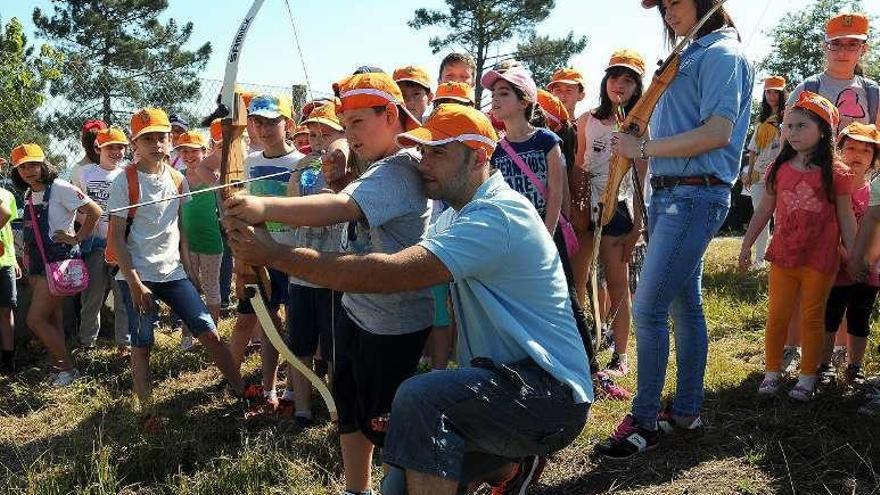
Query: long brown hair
point(824, 156)
point(721, 18)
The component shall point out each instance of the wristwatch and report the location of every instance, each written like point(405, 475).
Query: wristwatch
point(643, 149)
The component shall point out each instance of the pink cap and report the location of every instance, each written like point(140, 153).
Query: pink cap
point(516, 76)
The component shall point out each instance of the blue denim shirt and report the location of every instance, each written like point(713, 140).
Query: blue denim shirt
point(715, 79)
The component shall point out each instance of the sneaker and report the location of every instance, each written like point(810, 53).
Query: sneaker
point(263, 406)
point(628, 440)
point(186, 343)
point(855, 377)
point(252, 391)
point(801, 393)
point(838, 356)
point(617, 366)
point(669, 423)
point(871, 408)
point(65, 378)
point(827, 375)
point(524, 475)
point(605, 387)
point(791, 356)
point(769, 386)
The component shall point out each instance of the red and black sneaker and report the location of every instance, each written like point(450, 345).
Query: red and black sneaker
point(524, 475)
point(628, 440)
point(670, 423)
point(262, 407)
point(253, 391)
point(286, 408)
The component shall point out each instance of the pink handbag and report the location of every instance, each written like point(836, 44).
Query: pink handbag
point(571, 243)
point(66, 277)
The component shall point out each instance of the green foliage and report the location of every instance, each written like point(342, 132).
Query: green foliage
point(542, 55)
point(119, 57)
point(476, 26)
point(24, 77)
point(796, 52)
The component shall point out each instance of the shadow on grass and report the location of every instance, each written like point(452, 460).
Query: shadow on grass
point(820, 447)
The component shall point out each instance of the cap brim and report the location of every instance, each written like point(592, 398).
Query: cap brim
point(860, 37)
point(192, 145)
point(430, 137)
point(859, 137)
point(152, 128)
point(565, 81)
point(29, 159)
point(633, 68)
point(108, 143)
point(414, 81)
point(774, 88)
point(460, 99)
point(321, 120)
point(269, 114)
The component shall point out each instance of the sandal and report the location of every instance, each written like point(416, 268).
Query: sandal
point(769, 386)
point(801, 393)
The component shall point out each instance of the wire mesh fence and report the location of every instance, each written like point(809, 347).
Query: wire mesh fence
point(55, 122)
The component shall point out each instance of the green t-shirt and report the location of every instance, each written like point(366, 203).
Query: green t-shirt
point(200, 223)
point(8, 257)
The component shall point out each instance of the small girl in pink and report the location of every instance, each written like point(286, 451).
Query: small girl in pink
point(809, 191)
point(860, 146)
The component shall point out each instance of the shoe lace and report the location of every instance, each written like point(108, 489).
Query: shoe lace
point(626, 428)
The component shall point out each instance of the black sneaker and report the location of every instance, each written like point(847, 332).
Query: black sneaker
point(855, 376)
point(524, 475)
point(628, 440)
point(827, 374)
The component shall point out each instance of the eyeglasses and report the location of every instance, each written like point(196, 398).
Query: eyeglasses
point(849, 47)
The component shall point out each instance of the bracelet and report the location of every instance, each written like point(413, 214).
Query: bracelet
point(643, 149)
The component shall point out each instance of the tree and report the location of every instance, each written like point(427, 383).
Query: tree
point(479, 25)
point(543, 55)
point(23, 80)
point(796, 52)
point(120, 57)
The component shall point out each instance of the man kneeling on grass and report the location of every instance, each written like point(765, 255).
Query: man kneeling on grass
point(523, 389)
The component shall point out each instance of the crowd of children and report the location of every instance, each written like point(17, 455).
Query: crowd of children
point(337, 179)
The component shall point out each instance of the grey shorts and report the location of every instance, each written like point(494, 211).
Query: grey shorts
point(465, 423)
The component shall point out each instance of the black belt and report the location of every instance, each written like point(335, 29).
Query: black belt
point(664, 181)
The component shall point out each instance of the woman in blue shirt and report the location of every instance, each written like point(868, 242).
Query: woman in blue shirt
point(698, 130)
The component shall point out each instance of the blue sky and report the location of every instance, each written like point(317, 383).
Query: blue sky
point(338, 35)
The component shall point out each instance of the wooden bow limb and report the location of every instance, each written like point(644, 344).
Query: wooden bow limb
point(594, 275)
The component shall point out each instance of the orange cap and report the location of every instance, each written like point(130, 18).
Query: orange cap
point(448, 123)
point(149, 120)
point(820, 106)
point(553, 109)
point(29, 152)
point(567, 76)
point(861, 132)
point(191, 139)
point(630, 59)
point(217, 130)
point(775, 82)
point(110, 136)
point(325, 114)
point(853, 25)
point(412, 74)
point(372, 89)
point(300, 129)
point(458, 91)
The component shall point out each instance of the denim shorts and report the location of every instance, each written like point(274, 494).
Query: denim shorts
point(465, 423)
point(183, 299)
point(8, 294)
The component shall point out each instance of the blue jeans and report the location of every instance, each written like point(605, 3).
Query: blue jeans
point(682, 221)
point(180, 295)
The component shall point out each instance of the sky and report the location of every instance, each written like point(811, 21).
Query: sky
point(335, 36)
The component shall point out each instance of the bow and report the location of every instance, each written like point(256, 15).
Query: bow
point(232, 172)
point(636, 122)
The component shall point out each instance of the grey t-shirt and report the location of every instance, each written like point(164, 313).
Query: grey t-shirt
point(848, 95)
point(391, 197)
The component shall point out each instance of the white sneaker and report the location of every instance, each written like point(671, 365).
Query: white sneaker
point(186, 342)
point(65, 378)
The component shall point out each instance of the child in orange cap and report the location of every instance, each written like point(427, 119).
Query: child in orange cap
point(454, 92)
point(845, 45)
point(808, 194)
point(567, 84)
point(763, 148)
point(95, 180)
point(859, 146)
point(458, 67)
point(619, 91)
point(153, 257)
point(300, 138)
point(379, 337)
point(54, 203)
point(415, 85)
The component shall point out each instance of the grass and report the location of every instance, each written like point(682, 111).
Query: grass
point(85, 439)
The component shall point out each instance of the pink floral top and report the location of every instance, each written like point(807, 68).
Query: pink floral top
point(806, 229)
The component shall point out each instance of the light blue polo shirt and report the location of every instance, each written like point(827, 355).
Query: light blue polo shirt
point(509, 291)
point(715, 79)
